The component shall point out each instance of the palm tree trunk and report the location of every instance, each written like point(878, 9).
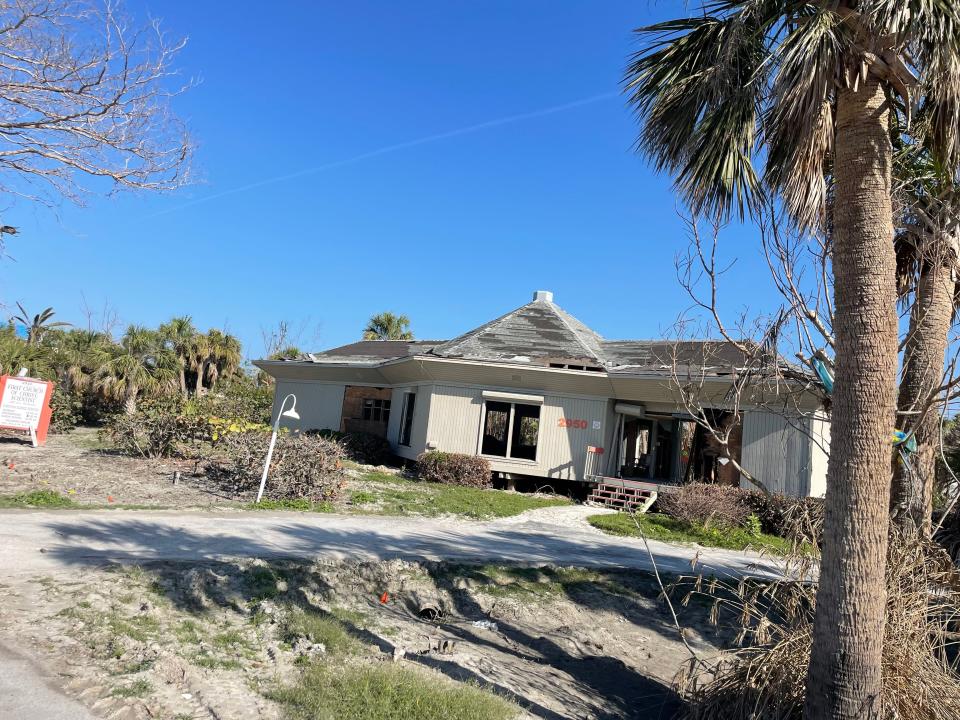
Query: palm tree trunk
point(130, 399)
point(911, 501)
point(183, 379)
point(843, 680)
point(198, 388)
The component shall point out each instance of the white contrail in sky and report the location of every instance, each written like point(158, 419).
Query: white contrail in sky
point(392, 148)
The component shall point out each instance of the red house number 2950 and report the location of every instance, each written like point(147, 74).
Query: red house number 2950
point(572, 423)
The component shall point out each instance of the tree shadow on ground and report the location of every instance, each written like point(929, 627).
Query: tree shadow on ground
point(603, 684)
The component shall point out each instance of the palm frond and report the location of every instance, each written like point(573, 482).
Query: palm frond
point(695, 89)
point(798, 128)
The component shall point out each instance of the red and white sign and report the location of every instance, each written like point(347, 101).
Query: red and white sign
point(25, 405)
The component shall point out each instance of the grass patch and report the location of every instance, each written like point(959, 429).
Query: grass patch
point(37, 499)
point(668, 529)
point(300, 505)
point(415, 497)
point(386, 692)
point(362, 497)
point(138, 688)
point(139, 627)
point(320, 628)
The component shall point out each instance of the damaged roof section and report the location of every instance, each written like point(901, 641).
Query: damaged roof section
point(539, 330)
point(542, 333)
point(370, 352)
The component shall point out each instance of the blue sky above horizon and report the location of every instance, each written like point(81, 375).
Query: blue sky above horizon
point(443, 160)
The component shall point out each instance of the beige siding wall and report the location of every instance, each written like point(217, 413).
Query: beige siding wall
point(319, 404)
point(456, 414)
point(777, 452)
point(819, 454)
point(421, 413)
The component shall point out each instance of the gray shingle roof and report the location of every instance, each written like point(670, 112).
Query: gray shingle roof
point(537, 330)
point(542, 333)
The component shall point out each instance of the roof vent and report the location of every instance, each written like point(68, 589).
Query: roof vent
point(543, 296)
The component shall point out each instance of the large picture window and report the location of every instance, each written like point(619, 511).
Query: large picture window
point(510, 430)
point(406, 418)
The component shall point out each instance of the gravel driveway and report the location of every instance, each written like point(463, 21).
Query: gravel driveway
point(46, 541)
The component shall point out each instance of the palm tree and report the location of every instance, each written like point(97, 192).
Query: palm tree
point(214, 355)
point(38, 324)
point(816, 84)
point(226, 354)
point(15, 353)
point(387, 326)
point(139, 365)
point(77, 355)
point(178, 334)
point(928, 250)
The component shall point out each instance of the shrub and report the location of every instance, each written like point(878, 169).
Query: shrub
point(797, 519)
point(66, 410)
point(706, 505)
point(239, 399)
point(158, 429)
point(361, 447)
point(454, 469)
point(304, 466)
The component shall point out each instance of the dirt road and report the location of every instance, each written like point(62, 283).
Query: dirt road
point(41, 541)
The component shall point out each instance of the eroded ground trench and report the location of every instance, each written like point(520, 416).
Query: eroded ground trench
point(223, 640)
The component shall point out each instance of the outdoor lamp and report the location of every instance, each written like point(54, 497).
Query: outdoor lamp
point(293, 415)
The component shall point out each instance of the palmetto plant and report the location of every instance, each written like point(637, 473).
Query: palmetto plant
point(214, 355)
point(76, 356)
point(388, 326)
point(139, 365)
point(800, 99)
point(38, 324)
point(16, 354)
point(178, 335)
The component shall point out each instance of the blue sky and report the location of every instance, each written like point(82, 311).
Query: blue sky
point(431, 215)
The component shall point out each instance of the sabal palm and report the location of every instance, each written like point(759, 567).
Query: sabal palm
point(928, 250)
point(15, 353)
point(139, 365)
point(178, 334)
point(38, 324)
point(77, 355)
point(214, 354)
point(226, 354)
point(388, 326)
point(815, 85)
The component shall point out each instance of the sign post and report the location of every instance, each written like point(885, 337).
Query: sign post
point(25, 405)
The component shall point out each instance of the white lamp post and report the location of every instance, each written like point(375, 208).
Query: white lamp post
point(291, 413)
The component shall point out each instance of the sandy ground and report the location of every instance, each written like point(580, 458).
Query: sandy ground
point(38, 541)
point(77, 465)
point(148, 642)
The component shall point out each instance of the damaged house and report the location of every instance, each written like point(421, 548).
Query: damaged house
point(540, 395)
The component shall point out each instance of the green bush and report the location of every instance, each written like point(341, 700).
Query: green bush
point(157, 429)
point(454, 469)
point(303, 466)
point(239, 398)
point(66, 410)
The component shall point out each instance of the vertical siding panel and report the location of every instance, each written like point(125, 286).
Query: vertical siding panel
point(776, 451)
point(455, 424)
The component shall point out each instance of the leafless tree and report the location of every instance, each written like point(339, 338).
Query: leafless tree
point(745, 367)
point(85, 102)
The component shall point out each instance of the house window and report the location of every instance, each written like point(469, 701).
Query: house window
point(376, 410)
point(510, 430)
point(406, 418)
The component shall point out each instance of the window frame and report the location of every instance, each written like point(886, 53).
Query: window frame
point(510, 430)
point(407, 410)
